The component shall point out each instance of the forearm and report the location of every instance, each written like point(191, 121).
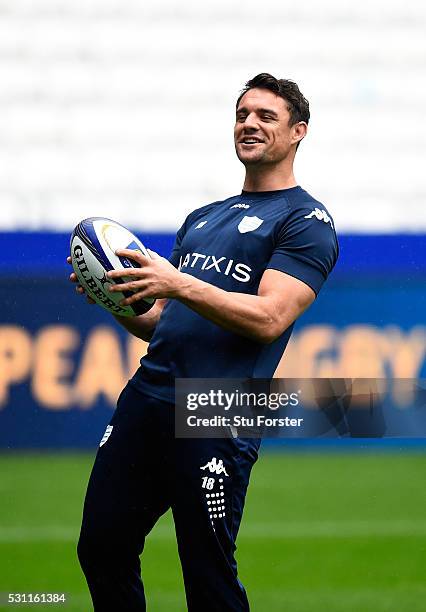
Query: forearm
point(142, 326)
point(252, 316)
point(280, 298)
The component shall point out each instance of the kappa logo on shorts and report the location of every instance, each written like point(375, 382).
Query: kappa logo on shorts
point(106, 435)
point(215, 466)
point(249, 224)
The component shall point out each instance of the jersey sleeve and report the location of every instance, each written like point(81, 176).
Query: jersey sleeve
point(195, 215)
point(306, 248)
point(174, 255)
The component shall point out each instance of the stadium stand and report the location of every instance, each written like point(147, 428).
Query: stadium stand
point(126, 109)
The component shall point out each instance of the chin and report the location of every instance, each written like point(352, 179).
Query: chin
point(249, 159)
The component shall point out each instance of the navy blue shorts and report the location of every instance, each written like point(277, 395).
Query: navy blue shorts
point(141, 470)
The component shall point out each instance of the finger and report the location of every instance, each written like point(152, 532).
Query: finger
point(81, 291)
point(73, 277)
point(69, 259)
point(131, 286)
point(153, 254)
point(133, 254)
point(133, 298)
point(125, 273)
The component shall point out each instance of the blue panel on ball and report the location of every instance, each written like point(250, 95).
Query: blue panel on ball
point(141, 307)
point(126, 261)
point(86, 232)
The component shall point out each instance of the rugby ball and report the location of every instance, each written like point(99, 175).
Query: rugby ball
point(93, 244)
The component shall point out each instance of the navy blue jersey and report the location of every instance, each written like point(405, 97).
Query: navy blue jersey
point(230, 244)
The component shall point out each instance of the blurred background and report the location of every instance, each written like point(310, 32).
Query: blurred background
point(125, 109)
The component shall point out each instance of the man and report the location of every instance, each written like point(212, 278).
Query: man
point(241, 272)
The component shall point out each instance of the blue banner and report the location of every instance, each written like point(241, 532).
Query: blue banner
point(63, 362)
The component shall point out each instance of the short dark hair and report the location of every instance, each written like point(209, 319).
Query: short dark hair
point(297, 104)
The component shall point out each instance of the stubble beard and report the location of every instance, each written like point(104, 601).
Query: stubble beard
point(254, 160)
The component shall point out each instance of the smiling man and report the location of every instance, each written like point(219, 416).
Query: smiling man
point(241, 272)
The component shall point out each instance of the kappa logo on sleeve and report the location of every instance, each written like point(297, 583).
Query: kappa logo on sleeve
point(200, 225)
point(106, 435)
point(321, 215)
point(249, 224)
point(240, 205)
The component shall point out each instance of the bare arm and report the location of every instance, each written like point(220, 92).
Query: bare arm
point(263, 317)
point(143, 326)
point(281, 299)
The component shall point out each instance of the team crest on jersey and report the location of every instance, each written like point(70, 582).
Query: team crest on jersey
point(249, 224)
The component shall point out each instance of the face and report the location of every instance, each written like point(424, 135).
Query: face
point(262, 133)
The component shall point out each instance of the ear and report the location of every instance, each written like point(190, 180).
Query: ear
point(299, 131)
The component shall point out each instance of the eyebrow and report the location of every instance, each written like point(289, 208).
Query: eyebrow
point(269, 111)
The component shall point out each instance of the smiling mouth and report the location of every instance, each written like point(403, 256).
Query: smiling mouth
point(250, 142)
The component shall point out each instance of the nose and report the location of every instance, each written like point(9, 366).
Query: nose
point(250, 122)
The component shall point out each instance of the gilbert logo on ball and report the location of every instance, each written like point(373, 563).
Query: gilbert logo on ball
point(93, 245)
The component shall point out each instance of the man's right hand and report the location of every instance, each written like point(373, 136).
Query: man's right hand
point(141, 326)
point(73, 278)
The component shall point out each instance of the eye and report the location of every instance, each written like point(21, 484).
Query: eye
point(241, 117)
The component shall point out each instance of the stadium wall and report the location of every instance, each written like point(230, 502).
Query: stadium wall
point(63, 364)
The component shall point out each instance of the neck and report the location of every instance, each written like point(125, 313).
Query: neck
point(266, 178)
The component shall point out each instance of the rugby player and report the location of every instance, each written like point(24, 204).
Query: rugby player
point(241, 272)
